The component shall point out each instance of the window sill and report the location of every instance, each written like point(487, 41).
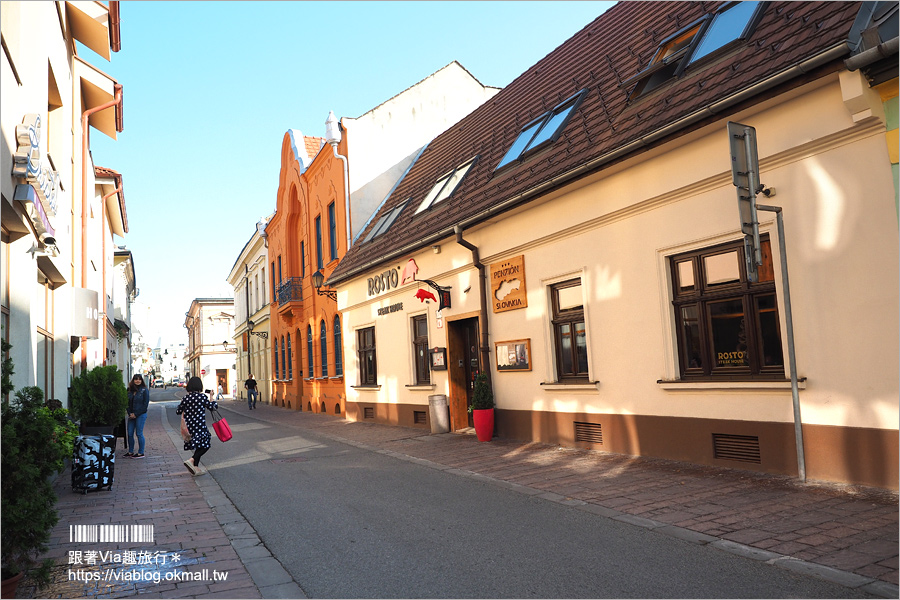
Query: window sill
point(366, 388)
point(421, 387)
point(680, 385)
point(591, 386)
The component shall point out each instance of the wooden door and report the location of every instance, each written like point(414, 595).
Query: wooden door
point(463, 367)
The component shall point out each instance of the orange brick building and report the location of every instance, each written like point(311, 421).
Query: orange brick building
point(307, 233)
point(321, 181)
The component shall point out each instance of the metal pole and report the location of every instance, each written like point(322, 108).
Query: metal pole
point(792, 358)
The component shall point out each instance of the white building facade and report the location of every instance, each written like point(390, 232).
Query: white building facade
point(252, 302)
point(210, 348)
point(58, 215)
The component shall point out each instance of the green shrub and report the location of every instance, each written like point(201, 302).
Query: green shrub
point(99, 396)
point(36, 442)
point(482, 397)
point(8, 370)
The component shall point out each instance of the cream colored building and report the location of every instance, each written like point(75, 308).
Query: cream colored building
point(210, 352)
point(59, 212)
point(613, 309)
point(252, 302)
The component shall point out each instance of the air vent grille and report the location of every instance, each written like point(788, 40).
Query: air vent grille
point(368, 413)
point(743, 448)
point(588, 432)
point(419, 417)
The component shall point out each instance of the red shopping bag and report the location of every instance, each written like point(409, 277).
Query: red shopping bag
point(221, 426)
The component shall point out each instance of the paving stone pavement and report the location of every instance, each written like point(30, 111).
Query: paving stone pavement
point(198, 534)
point(845, 534)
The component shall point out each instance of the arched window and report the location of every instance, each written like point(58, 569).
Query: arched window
point(309, 351)
point(290, 360)
point(338, 354)
point(276, 358)
point(324, 338)
point(283, 368)
point(299, 339)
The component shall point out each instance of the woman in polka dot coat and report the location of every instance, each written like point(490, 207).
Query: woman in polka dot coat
point(193, 407)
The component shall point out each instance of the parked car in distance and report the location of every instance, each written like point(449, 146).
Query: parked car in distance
point(158, 383)
point(178, 382)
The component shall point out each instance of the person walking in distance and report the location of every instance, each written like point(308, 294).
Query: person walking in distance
point(221, 392)
point(193, 410)
point(138, 404)
point(252, 394)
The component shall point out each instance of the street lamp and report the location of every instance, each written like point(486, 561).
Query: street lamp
point(318, 278)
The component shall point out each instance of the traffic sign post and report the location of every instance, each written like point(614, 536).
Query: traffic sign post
point(745, 177)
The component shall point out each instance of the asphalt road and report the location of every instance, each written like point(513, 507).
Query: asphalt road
point(349, 523)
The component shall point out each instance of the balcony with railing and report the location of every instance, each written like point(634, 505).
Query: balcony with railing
point(289, 295)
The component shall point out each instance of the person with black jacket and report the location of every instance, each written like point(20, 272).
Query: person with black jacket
point(138, 404)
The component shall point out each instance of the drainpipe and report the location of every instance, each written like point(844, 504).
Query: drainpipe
point(85, 148)
point(249, 322)
point(103, 314)
point(333, 137)
point(482, 287)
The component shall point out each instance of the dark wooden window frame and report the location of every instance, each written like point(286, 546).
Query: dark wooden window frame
point(559, 319)
point(421, 353)
point(365, 348)
point(703, 294)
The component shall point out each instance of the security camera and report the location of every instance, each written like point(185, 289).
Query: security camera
point(47, 239)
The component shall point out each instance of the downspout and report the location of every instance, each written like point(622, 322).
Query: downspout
point(103, 314)
point(476, 261)
point(249, 322)
point(85, 148)
point(872, 55)
point(333, 137)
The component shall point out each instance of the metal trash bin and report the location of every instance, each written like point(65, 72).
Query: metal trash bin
point(439, 412)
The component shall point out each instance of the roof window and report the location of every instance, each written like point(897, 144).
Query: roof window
point(385, 222)
point(541, 132)
point(445, 185)
point(694, 42)
point(727, 26)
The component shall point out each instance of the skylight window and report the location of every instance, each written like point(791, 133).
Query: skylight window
point(696, 41)
point(385, 222)
point(445, 186)
point(541, 132)
point(726, 27)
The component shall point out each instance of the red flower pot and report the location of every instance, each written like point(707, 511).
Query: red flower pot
point(11, 585)
point(484, 424)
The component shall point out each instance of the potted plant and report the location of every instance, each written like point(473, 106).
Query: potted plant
point(37, 440)
point(99, 400)
point(482, 409)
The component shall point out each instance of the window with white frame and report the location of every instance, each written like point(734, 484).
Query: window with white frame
point(445, 185)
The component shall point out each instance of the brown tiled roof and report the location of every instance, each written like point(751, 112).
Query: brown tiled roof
point(312, 145)
point(104, 172)
point(607, 126)
point(107, 172)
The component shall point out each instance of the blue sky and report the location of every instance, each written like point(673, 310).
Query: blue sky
point(210, 88)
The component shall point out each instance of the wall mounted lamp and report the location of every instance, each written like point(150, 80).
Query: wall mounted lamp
point(318, 278)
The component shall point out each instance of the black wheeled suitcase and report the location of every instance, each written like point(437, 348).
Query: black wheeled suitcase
point(93, 463)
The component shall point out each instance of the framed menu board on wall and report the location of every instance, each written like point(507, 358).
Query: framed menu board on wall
point(514, 355)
